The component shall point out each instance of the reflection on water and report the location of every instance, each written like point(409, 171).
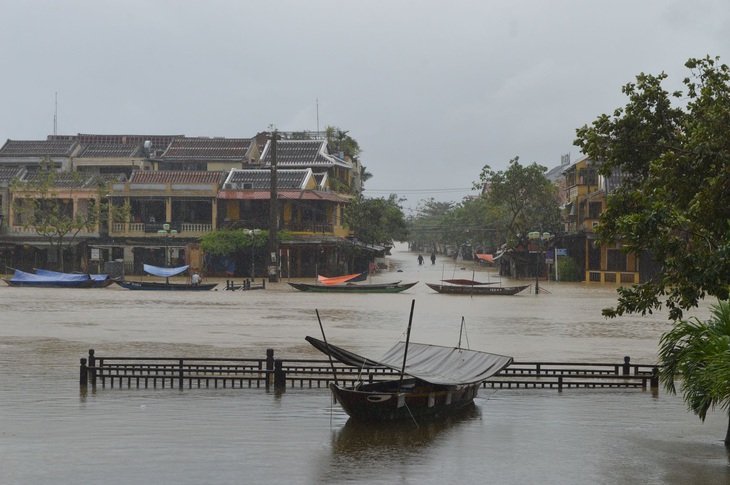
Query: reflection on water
point(362, 440)
point(50, 433)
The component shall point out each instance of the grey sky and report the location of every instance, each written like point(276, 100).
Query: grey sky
point(432, 90)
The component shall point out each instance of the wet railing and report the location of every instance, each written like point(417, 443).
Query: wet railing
point(187, 372)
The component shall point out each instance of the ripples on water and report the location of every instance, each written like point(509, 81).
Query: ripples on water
point(52, 433)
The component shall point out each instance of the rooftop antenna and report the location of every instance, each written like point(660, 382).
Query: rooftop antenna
point(55, 117)
point(317, 100)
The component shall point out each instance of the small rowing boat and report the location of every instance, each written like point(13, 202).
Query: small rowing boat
point(395, 287)
point(476, 289)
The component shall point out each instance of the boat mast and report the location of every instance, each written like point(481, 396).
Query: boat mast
point(332, 364)
point(408, 338)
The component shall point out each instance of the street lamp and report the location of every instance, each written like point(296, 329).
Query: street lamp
point(253, 233)
point(539, 238)
point(167, 232)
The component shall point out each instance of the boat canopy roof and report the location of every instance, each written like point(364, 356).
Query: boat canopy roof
point(335, 280)
point(164, 272)
point(46, 272)
point(436, 364)
point(54, 277)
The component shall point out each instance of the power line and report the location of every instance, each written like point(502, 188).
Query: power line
point(415, 191)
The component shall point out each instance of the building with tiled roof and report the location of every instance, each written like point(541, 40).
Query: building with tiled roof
point(194, 184)
point(305, 206)
point(252, 179)
point(176, 178)
point(201, 153)
point(303, 154)
point(32, 153)
point(119, 153)
point(314, 154)
point(7, 176)
point(154, 145)
point(185, 200)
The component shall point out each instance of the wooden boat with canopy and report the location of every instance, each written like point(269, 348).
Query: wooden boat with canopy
point(166, 285)
point(434, 380)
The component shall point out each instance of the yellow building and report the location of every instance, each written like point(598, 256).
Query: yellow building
point(586, 193)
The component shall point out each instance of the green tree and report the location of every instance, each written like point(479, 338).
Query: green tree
point(522, 198)
point(699, 353)
point(227, 242)
point(376, 220)
point(39, 205)
point(674, 200)
point(340, 141)
point(428, 226)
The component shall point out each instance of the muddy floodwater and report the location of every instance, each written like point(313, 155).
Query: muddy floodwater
point(51, 432)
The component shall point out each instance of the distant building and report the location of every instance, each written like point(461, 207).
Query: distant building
point(196, 185)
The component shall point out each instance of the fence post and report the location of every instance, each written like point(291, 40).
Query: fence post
point(92, 365)
point(180, 374)
point(279, 374)
point(269, 366)
point(84, 373)
point(560, 383)
point(655, 378)
point(627, 365)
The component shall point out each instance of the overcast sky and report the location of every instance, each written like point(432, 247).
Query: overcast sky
point(432, 90)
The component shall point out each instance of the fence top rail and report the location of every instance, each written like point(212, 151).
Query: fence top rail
point(573, 364)
point(177, 359)
point(292, 362)
point(618, 377)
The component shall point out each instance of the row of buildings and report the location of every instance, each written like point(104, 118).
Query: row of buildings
point(585, 192)
point(177, 189)
point(180, 188)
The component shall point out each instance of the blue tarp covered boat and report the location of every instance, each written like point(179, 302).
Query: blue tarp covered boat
point(97, 280)
point(57, 280)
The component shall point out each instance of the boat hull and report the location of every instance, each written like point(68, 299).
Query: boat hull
point(374, 288)
point(49, 284)
point(382, 401)
point(155, 286)
point(476, 290)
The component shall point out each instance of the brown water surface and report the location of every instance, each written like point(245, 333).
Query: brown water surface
point(52, 433)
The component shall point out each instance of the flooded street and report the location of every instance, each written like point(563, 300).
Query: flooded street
point(50, 432)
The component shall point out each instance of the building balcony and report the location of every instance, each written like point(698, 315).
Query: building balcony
point(306, 227)
point(20, 230)
point(311, 227)
point(143, 229)
point(621, 277)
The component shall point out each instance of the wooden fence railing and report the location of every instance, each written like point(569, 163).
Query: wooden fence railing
point(182, 372)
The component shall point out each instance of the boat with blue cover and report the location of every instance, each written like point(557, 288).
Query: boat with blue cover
point(55, 280)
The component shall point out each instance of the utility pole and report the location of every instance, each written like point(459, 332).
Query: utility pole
point(274, 216)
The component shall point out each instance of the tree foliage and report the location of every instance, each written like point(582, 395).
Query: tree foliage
point(699, 353)
point(674, 202)
point(521, 199)
point(41, 208)
point(340, 141)
point(226, 242)
point(376, 220)
point(514, 202)
point(429, 226)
